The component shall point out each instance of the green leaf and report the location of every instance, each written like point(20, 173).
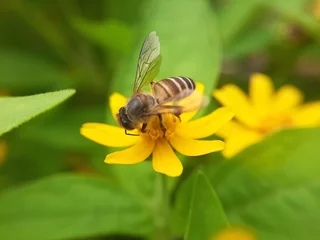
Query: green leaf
point(274, 186)
point(17, 110)
point(206, 216)
point(190, 43)
point(69, 206)
point(112, 35)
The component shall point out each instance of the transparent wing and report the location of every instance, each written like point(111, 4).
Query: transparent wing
point(163, 109)
point(148, 63)
point(194, 102)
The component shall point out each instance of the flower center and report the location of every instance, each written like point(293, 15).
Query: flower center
point(274, 123)
point(164, 129)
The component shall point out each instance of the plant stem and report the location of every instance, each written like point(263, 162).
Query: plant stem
point(161, 208)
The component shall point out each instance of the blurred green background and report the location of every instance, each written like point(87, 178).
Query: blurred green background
point(91, 46)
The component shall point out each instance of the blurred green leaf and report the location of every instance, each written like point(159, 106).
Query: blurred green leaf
point(141, 184)
point(206, 216)
point(298, 11)
point(182, 203)
point(234, 16)
point(29, 160)
point(250, 42)
point(17, 110)
point(69, 206)
point(110, 34)
point(26, 72)
point(63, 124)
point(190, 44)
point(55, 137)
point(274, 186)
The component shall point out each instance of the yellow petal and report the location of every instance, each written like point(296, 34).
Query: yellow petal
point(286, 98)
point(164, 160)
point(237, 137)
point(308, 115)
point(261, 92)
point(207, 125)
point(185, 117)
point(191, 147)
point(116, 101)
point(231, 128)
point(236, 144)
point(135, 154)
point(107, 135)
point(200, 87)
point(233, 97)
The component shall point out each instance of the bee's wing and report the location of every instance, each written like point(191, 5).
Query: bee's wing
point(162, 109)
point(194, 102)
point(148, 63)
point(179, 97)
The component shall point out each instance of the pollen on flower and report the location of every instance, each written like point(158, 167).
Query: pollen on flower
point(154, 130)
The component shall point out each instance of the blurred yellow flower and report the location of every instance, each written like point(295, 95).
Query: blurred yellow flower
point(234, 233)
point(316, 9)
point(181, 136)
point(263, 112)
point(3, 150)
point(3, 143)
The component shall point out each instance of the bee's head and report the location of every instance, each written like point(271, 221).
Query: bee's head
point(124, 120)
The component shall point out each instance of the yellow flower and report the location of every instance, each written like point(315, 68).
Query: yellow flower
point(182, 136)
point(316, 9)
point(3, 150)
point(263, 112)
point(235, 233)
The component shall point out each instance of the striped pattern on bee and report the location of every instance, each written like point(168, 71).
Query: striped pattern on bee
point(172, 89)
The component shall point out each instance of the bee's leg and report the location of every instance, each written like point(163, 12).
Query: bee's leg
point(161, 125)
point(143, 128)
point(130, 134)
point(178, 116)
point(177, 112)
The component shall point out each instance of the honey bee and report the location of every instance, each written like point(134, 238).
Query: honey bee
point(142, 105)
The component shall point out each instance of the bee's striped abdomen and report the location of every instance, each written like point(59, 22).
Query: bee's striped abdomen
point(173, 89)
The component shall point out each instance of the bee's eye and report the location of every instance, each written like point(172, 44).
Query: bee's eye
point(123, 119)
point(122, 111)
